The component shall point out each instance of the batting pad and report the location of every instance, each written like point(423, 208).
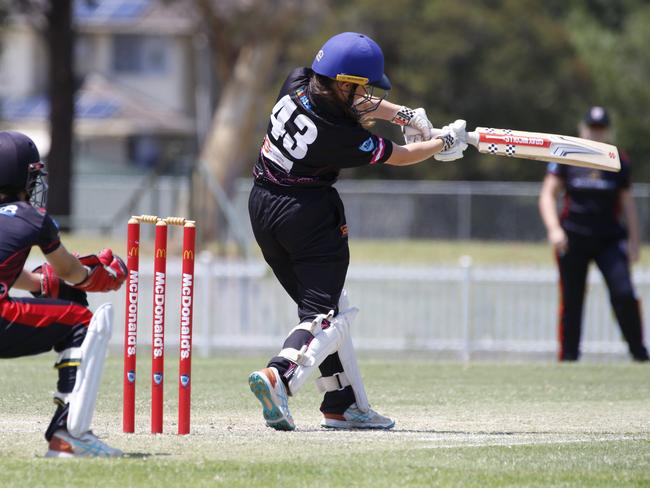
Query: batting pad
point(89, 373)
point(351, 374)
point(348, 358)
point(324, 343)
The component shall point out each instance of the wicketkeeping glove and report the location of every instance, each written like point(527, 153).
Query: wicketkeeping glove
point(106, 272)
point(54, 287)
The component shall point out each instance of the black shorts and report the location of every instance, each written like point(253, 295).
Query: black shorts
point(303, 236)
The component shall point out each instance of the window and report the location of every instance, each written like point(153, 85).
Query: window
point(84, 55)
point(136, 54)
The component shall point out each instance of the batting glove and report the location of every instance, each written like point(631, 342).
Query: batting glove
point(454, 137)
point(414, 123)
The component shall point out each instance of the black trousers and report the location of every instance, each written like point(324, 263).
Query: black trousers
point(611, 258)
point(303, 237)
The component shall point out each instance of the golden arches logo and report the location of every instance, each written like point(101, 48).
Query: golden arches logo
point(134, 251)
point(161, 253)
point(188, 254)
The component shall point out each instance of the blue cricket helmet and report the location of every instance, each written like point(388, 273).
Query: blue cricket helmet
point(354, 58)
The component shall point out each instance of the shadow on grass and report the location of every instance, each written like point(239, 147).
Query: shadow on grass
point(144, 455)
point(398, 431)
point(506, 433)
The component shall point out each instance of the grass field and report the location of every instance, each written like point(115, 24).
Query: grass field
point(476, 425)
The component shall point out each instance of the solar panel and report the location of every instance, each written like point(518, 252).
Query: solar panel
point(25, 108)
point(95, 108)
point(129, 10)
point(39, 108)
point(82, 10)
point(103, 10)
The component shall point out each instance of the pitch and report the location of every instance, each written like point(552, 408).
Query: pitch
point(483, 424)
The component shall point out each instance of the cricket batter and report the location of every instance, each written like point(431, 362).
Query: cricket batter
point(58, 318)
point(317, 128)
point(598, 223)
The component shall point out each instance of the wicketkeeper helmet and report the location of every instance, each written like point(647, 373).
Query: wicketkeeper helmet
point(21, 168)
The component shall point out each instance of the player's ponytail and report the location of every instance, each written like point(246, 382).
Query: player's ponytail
point(321, 87)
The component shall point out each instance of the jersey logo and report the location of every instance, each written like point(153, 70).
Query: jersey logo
point(304, 99)
point(368, 145)
point(589, 183)
point(9, 210)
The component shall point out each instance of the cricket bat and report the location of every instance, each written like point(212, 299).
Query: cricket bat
point(569, 150)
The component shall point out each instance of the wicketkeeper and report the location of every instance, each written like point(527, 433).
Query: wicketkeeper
point(58, 318)
point(318, 127)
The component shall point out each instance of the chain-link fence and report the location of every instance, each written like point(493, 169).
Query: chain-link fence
point(460, 309)
point(374, 209)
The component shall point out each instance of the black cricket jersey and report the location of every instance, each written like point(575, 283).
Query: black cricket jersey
point(21, 227)
point(308, 141)
point(592, 201)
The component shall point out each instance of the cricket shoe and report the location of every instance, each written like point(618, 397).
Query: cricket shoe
point(353, 418)
point(64, 445)
point(269, 389)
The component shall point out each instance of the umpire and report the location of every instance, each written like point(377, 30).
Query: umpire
point(598, 222)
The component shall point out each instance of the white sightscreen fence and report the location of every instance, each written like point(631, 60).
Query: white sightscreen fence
point(460, 309)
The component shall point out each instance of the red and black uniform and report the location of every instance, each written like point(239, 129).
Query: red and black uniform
point(34, 325)
point(591, 218)
point(297, 216)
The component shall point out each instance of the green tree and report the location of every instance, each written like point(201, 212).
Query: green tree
point(247, 39)
point(499, 63)
point(619, 62)
point(502, 63)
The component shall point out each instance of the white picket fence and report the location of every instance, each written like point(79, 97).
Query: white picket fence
point(462, 309)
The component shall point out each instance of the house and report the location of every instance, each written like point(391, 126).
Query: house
point(137, 63)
